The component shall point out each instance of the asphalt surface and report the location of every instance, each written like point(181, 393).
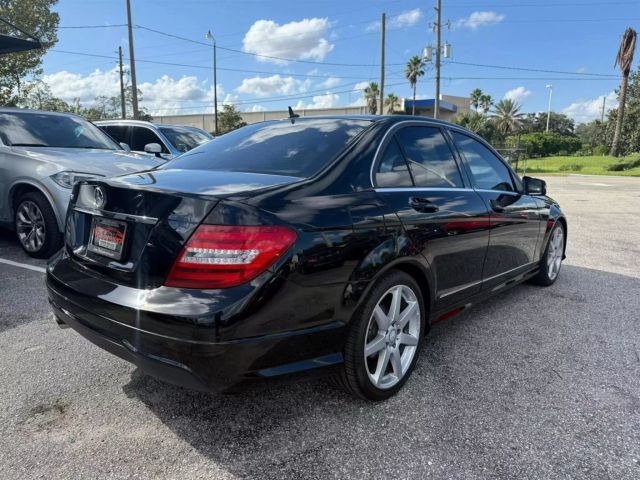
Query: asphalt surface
point(536, 383)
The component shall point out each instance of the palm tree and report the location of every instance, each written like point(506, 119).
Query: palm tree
point(485, 102)
point(506, 116)
point(391, 102)
point(371, 94)
point(623, 60)
point(414, 70)
point(475, 97)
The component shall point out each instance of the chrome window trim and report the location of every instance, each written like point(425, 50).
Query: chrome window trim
point(118, 215)
point(489, 190)
point(422, 189)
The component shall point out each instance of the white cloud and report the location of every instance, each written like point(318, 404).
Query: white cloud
point(406, 19)
point(518, 94)
point(273, 85)
point(330, 82)
point(69, 86)
point(359, 88)
point(295, 40)
point(328, 100)
point(256, 108)
point(479, 19)
point(166, 95)
point(587, 110)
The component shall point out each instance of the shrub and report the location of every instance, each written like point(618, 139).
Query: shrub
point(540, 144)
point(570, 167)
point(624, 165)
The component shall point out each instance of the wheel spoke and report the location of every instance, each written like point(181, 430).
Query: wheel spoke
point(394, 309)
point(408, 339)
point(381, 368)
point(408, 313)
point(396, 363)
point(381, 318)
point(375, 345)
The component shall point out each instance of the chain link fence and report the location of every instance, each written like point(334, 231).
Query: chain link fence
point(517, 158)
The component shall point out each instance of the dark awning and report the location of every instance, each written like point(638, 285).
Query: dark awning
point(12, 44)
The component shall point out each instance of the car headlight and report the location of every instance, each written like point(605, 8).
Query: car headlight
point(68, 179)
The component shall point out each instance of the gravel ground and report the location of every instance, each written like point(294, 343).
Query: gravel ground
point(536, 383)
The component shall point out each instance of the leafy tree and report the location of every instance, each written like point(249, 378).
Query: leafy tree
point(36, 18)
point(37, 96)
point(592, 135)
point(624, 59)
point(371, 94)
point(392, 102)
point(413, 71)
point(507, 116)
point(558, 123)
point(478, 123)
point(229, 119)
point(475, 97)
point(485, 103)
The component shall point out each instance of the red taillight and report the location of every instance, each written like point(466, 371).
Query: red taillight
point(222, 256)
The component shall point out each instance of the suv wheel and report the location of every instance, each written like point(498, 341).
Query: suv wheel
point(36, 226)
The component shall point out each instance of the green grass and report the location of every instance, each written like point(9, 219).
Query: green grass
point(585, 165)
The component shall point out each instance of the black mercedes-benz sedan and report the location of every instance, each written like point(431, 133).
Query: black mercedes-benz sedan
point(317, 244)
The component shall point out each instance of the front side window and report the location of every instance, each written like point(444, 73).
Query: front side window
point(300, 149)
point(22, 129)
point(430, 158)
point(141, 136)
point(487, 170)
point(393, 170)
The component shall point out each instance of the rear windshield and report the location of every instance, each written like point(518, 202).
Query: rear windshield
point(21, 129)
point(280, 148)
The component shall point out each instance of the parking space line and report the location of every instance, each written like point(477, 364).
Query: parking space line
point(23, 265)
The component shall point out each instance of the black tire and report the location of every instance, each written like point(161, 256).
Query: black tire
point(354, 377)
point(545, 277)
point(52, 236)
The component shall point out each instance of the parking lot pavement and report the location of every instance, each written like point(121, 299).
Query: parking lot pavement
point(536, 383)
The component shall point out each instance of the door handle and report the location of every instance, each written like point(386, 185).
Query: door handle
point(496, 207)
point(423, 205)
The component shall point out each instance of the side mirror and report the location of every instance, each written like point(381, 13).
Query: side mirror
point(154, 148)
point(534, 186)
point(125, 147)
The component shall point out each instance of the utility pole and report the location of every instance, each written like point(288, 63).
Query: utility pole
point(604, 104)
point(134, 84)
point(382, 33)
point(210, 36)
point(436, 108)
point(122, 102)
point(550, 87)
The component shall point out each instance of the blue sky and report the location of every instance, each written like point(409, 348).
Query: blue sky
point(328, 37)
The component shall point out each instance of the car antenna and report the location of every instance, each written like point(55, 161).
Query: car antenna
point(292, 116)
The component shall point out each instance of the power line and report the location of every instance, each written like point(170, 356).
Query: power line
point(503, 67)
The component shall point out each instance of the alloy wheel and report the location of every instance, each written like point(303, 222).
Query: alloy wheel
point(555, 253)
point(30, 226)
point(392, 336)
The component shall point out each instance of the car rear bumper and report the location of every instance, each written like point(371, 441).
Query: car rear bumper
point(186, 354)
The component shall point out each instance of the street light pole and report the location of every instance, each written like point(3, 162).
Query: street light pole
point(550, 87)
point(209, 36)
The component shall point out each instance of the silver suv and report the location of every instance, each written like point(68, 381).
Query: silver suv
point(167, 141)
point(42, 154)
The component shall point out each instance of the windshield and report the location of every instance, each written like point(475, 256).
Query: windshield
point(298, 150)
point(184, 139)
point(30, 129)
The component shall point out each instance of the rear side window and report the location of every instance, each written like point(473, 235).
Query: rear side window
point(120, 133)
point(430, 158)
point(393, 170)
point(141, 136)
point(300, 149)
point(487, 170)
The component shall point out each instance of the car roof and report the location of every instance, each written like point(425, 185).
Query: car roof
point(390, 119)
point(38, 112)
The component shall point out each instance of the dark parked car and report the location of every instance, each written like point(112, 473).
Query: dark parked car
point(322, 244)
